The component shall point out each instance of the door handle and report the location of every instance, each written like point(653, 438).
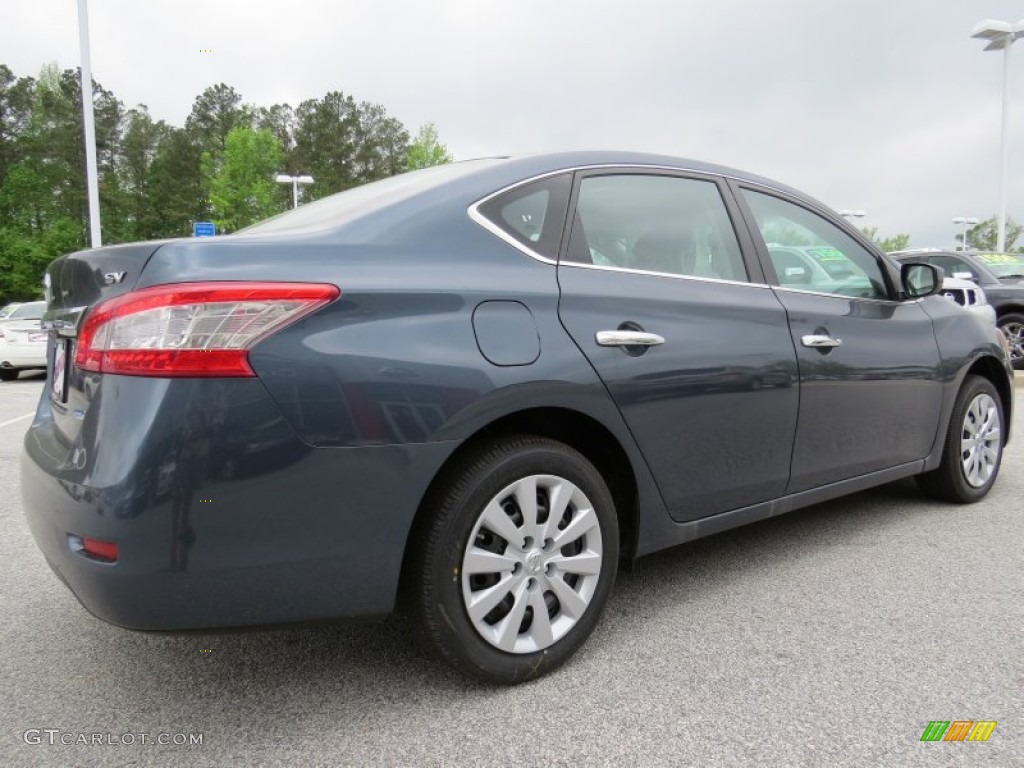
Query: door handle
point(820, 341)
point(628, 339)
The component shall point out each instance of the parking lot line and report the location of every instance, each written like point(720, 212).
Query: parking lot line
point(17, 419)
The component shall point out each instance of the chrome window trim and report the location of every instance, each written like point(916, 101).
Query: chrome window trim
point(474, 213)
point(840, 295)
point(494, 229)
point(699, 278)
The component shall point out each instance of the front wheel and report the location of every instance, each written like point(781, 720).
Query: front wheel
point(517, 559)
point(973, 449)
point(1012, 326)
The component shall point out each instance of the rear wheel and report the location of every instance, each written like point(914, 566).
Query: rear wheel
point(1012, 326)
point(974, 445)
point(516, 561)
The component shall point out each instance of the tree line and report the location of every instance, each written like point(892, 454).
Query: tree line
point(156, 179)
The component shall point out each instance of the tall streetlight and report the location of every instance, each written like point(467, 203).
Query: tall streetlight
point(1001, 35)
point(284, 178)
point(95, 238)
point(965, 220)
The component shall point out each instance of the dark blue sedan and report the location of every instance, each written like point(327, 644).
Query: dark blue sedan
point(473, 391)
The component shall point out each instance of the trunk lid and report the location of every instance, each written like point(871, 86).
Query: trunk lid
point(73, 284)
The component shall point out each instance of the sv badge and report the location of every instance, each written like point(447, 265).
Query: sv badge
point(111, 278)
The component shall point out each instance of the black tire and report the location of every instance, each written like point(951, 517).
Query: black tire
point(8, 374)
point(950, 481)
point(437, 583)
point(1012, 326)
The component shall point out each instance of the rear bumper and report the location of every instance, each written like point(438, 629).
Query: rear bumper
point(223, 535)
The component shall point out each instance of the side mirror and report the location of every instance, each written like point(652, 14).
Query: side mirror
point(920, 280)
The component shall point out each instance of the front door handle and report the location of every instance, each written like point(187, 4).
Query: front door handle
point(628, 339)
point(820, 341)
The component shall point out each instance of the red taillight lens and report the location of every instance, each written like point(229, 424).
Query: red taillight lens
point(191, 329)
point(101, 550)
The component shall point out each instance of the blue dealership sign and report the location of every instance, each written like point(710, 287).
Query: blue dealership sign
point(203, 229)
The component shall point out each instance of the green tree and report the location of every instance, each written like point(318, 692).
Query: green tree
point(898, 242)
point(174, 187)
point(215, 112)
point(985, 235)
point(16, 97)
point(156, 179)
point(42, 196)
point(241, 181)
point(138, 151)
point(426, 149)
point(343, 144)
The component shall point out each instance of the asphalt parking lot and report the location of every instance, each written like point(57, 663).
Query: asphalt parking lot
point(827, 637)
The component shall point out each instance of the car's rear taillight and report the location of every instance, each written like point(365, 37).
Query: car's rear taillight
point(191, 329)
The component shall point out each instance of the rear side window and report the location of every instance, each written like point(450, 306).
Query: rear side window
point(533, 214)
point(652, 223)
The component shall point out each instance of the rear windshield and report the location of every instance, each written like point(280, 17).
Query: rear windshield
point(347, 205)
point(33, 311)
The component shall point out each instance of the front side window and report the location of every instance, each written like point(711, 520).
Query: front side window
point(810, 253)
point(652, 223)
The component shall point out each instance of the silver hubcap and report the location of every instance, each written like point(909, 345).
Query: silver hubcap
point(532, 564)
point(1014, 333)
point(980, 440)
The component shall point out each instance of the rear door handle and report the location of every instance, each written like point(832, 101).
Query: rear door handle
point(820, 341)
point(628, 339)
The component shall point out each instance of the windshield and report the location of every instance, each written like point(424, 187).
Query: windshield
point(1003, 264)
point(347, 205)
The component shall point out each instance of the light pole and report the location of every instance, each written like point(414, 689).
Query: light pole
point(95, 238)
point(284, 178)
point(965, 220)
point(1001, 35)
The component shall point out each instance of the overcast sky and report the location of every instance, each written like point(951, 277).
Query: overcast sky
point(881, 105)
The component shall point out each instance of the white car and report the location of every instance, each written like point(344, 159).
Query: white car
point(22, 340)
point(968, 295)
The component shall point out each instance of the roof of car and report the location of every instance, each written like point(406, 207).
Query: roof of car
point(527, 165)
point(469, 182)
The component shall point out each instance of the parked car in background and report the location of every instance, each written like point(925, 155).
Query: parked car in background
point(968, 295)
point(1001, 276)
point(472, 390)
point(22, 340)
point(820, 268)
point(21, 311)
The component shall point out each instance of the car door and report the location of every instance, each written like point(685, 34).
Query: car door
point(870, 388)
point(656, 291)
